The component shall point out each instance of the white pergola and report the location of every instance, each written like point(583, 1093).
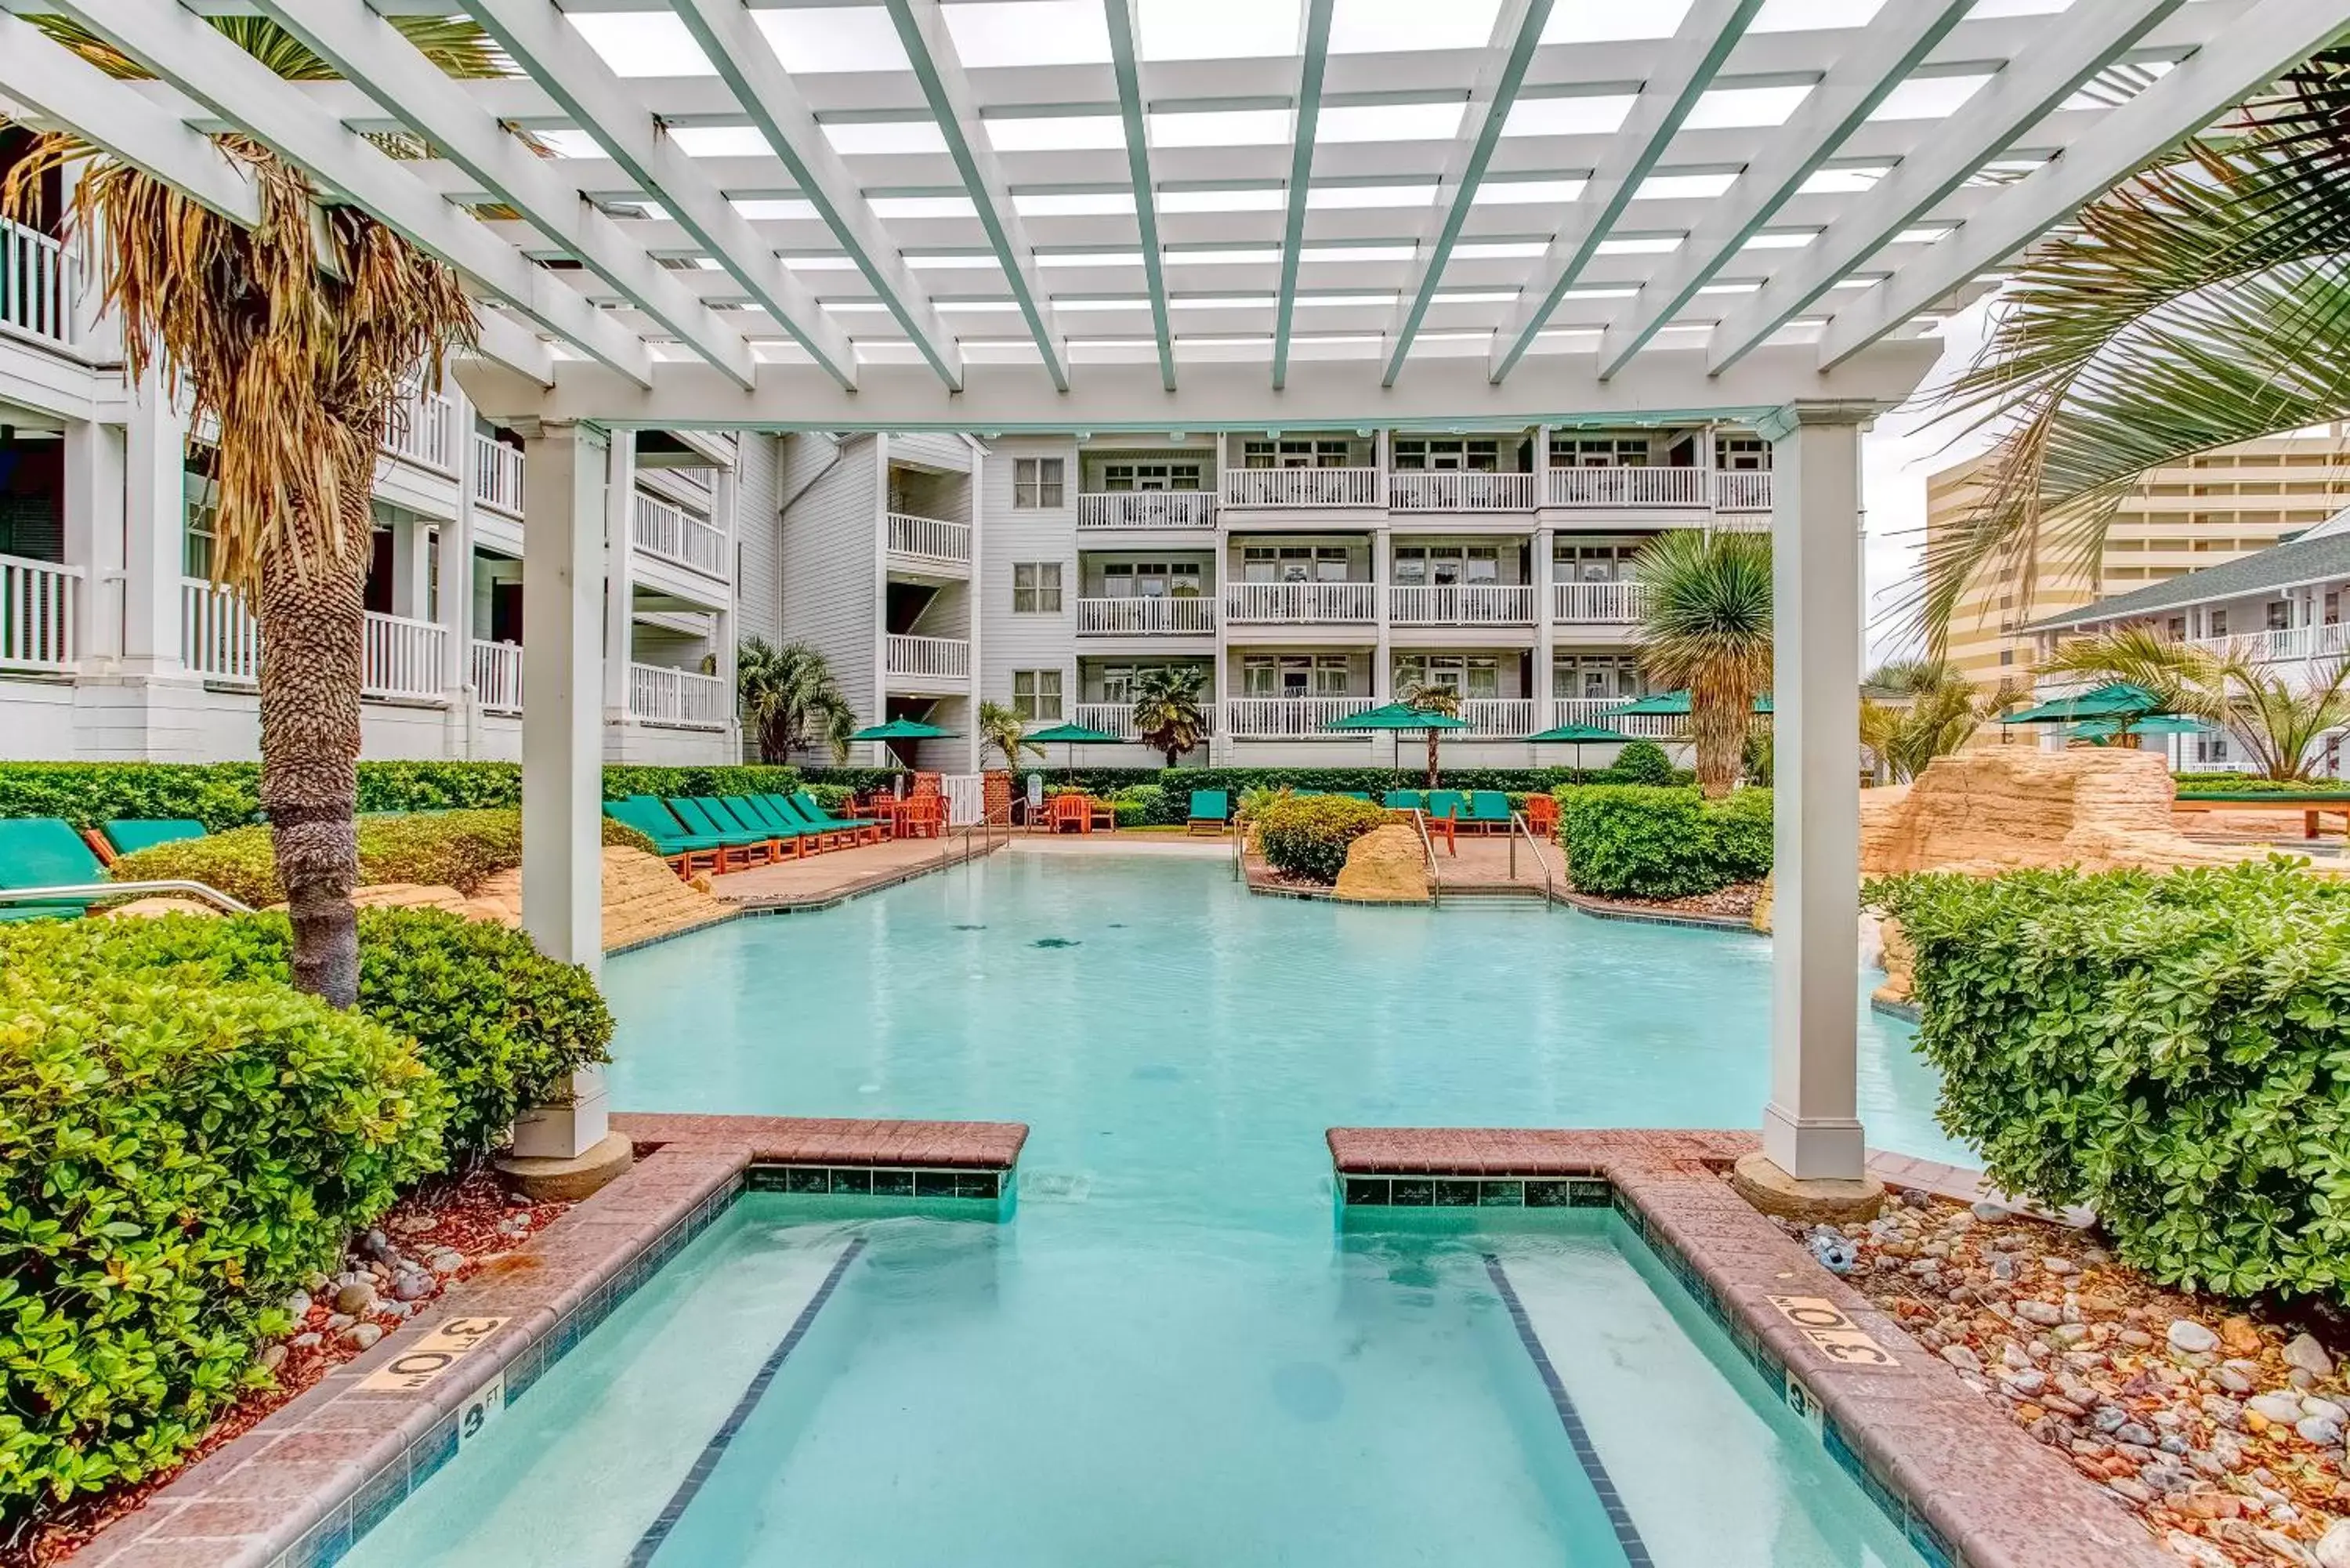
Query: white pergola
point(1188, 216)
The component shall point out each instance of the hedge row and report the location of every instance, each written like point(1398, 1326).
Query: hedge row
point(1636, 841)
point(228, 794)
point(2257, 784)
point(1307, 836)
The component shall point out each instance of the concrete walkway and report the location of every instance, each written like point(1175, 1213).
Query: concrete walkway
point(839, 874)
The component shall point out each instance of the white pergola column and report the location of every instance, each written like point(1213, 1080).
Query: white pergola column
point(618, 544)
point(1809, 1130)
point(453, 587)
point(563, 473)
point(725, 497)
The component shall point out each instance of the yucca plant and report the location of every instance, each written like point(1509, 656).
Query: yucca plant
point(1706, 629)
point(299, 337)
point(2204, 302)
point(2228, 687)
point(792, 700)
point(1166, 708)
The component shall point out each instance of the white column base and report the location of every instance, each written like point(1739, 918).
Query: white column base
point(1815, 1149)
point(568, 1130)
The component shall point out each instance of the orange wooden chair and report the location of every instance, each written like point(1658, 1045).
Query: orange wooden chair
point(1542, 814)
point(1070, 810)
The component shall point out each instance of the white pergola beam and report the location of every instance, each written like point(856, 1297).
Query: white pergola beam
point(2193, 93)
point(929, 47)
point(2082, 43)
point(747, 63)
point(44, 75)
point(1313, 61)
point(1709, 29)
point(1125, 30)
point(1517, 30)
point(1899, 38)
point(367, 49)
point(538, 38)
point(181, 48)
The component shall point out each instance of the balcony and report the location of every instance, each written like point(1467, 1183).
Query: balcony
point(497, 475)
point(498, 676)
point(1452, 489)
point(931, 542)
point(677, 698)
point(1171, 615)
point(1302, 487)
point(423, 429)
point(1301, 604)
point(1742, 490)
point(38, 625)
point(2284, 645)
point(1626, 487)
point(674, 535)
point(400, 658)
point(1496, 718)
point(1597, 603)
point(40, 286)
point(1292, 718)
point(1460, 604)
point(1148, 509)
point(927, 659)
point(1599, 710)
point(1117, 719)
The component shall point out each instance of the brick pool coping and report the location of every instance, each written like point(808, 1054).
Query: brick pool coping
point(1969, 1488)
point(312, 1476)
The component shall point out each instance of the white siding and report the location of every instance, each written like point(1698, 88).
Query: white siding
point(1008, 641)
point(828, 559)
point(759, 592)
point(932, 449)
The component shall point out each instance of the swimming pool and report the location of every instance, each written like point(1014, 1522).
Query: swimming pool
point(1169, 1358)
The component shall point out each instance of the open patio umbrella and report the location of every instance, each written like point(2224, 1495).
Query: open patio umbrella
point(902, 729)
point(1577, 736)
point(2102, 732)
point(1396, 718)
point(1073, 736)
point(2119, 703)
point(1670, 705)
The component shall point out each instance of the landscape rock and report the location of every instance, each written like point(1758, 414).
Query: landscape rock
point(362, 1335)
point(355, 1299)
point(1388, 865)
point(2191, 1338)
point(2310, 1357)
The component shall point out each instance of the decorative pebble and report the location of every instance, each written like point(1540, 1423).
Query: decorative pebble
point(1990, 1213)
point(2322, 1430)
point(339, 1321)
point(1962, 1357)
point(1833, 1254)
point(2191, 1338)
point(2045, 1313)
point(2332, 1548)
point(272, 1356)
point(297, 1306)
point(413, 1287)
point(2283, 1409)
point(304, 1342)
point(2310, 1357)
point(2234, 1378)
point(446, 1261)
point(355, 1298)
point(361, 1335)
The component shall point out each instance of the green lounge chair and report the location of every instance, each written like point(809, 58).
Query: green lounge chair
point(1403, 800)
point(752, 846)
point(130, 834)
point(686, 852)
point(1211, 809)
point(825, 835)
point(43, 852)
point(1488, 809)
point(811, 809)
point(1447, 803)
point(748, 812)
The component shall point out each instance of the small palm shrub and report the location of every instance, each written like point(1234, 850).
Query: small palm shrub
point(1307, 836)
point(1635, 841)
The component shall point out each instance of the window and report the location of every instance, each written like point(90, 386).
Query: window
point(1121, 477)
point(2279, 614)
point(1036, 588)
point(2174, 629)
point(1599, 452)
point(2007, 656)
point(1036, 695)
point(1470, 675)
point(1748, 454)
point(1574, 562)
point(1294, 563)
point(1294, 454)
point(1414, 454)
point(1151, 580)
point(1037, 482)
point(2219, 622)
point(1598, 676)
point(1295, 675)
point(2333, 607)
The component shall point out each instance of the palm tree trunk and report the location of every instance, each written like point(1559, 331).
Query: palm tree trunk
point(311, 636)
point(1432, 759)
point(1718, 725)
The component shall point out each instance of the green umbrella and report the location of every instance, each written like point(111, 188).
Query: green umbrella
point(1396, 718)
point(2104, 730)
point(1577, 736)
point(2119, 701)
point(1073, 736)
point(903, 729)
point(1672, 705)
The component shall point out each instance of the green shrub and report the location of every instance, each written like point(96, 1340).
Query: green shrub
point(460, 849)
point(1307, 836)
point(2251, 784)
point(833, 798)
point(1642, 842)
point(174, 1159)
point(1641, 762)
point(2166, 1049)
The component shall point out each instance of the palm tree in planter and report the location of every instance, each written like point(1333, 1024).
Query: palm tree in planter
point(791, 698)
point(1166, 707)
point(1706, 629)
point(1432, 697)
point(300, 337)
point(1005, 731)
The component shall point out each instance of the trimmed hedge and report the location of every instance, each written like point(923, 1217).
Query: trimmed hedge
point(460, 849)
point(1644, 842)
point(2256, 783)
point(1307, 836)
point(2166, 1049)
point(223, 795)
point(174, 1158)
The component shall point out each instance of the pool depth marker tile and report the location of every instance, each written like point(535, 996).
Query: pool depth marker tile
point(1627, 1534)
point(706, 1463)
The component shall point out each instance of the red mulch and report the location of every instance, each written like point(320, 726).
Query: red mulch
point(461, 1213)
point(1737, 901)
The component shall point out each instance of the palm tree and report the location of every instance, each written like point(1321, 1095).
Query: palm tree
point(1942, 712)
point(1706, 629)
point(1166, 707)
point(1005, 730)
point(792, 700)
point(2200, 304)
point(2228, 687)
point(1432, 697)
point(298, 336)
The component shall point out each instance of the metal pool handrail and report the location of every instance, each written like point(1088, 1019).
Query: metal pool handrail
point(1518, 825)
point(1428, 847)
point(67, 892)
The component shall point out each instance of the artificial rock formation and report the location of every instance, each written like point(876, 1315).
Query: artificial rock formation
point(1386, 866)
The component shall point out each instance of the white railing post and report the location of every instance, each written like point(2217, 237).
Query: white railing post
point(40, 286)
point(930, 538)
point(1148, 509)
point(40, 627)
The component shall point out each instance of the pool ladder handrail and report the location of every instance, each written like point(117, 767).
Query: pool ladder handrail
point(1427, 848)
point(1518, 824)
point(68, 892)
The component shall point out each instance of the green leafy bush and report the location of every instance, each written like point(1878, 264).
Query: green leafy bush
point(833, 798)
point(174, 1159)
point(2166, 1049)
point(2252, 784)
point(1307, 836)
point(1643, 842)
point(460, 849)
point(1642, 762)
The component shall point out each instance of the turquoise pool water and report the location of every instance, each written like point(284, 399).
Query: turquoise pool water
point(1169, 1357)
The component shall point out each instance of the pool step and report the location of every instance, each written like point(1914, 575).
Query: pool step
point(1492, 892)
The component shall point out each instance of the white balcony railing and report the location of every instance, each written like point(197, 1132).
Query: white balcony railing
point(40, 284)
point(927, 658)
point(1497, 718)
point(220, 640)
point(1462, 604)
point(1148, 509)
point(497, 475)
point(1742, 490)
point(423, 430)
point(38, 625)
point(1597, 603)
point(1117, 719)
point(498, 676)
point(1170, 616)
point(400, 658)
point(2284, 645)
point(673, 533)
point(1301, 604)
point(403, 658)
point(930, 539)
point(680, 698)
point(1302, 487)
point(1601, 711)
point(1460, 490)
point(1290, 718)
point(1627, 487)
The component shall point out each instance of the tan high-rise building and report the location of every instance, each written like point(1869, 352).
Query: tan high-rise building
point(2201, 513)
